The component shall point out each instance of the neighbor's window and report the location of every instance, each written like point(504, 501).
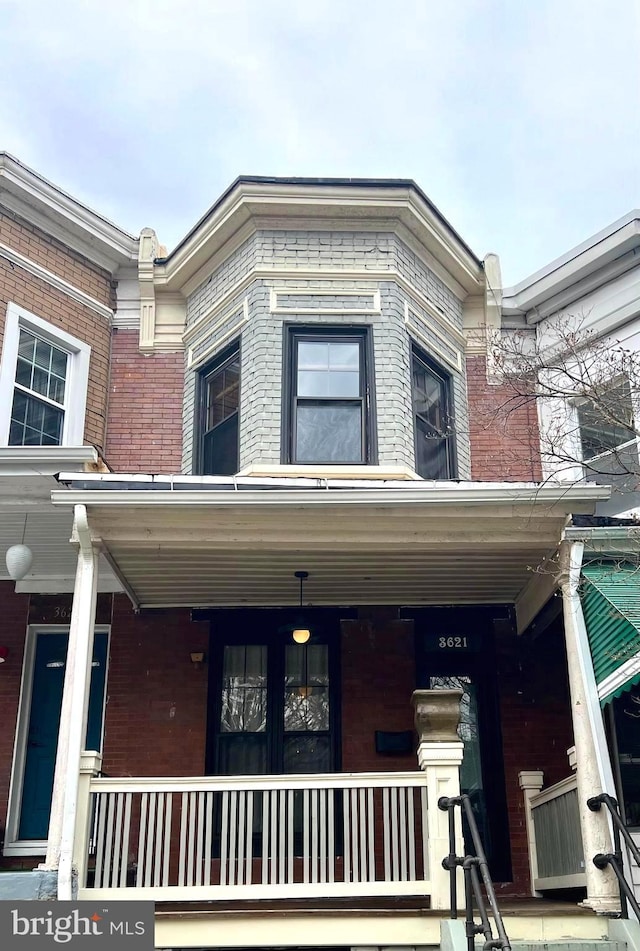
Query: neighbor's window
point(220, 404)
point(43, 383)
point(433, 418)
point(329, 398)
point(606, 423)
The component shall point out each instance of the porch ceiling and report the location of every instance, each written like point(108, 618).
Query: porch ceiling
point(396, 546)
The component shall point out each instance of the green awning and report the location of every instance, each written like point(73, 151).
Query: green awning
point(611, 605)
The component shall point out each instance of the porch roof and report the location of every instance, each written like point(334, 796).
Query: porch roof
point(217, 541)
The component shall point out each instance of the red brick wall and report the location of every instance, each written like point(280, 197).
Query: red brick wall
point(504, 433)
point(20, 287)
point(13, 610)
point(156, 711)
point(378, 678)
point(536, 729)
point(144, 432)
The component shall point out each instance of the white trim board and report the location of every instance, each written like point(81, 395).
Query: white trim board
point(53, 280)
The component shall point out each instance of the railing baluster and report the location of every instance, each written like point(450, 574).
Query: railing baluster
point(314, 835)
point(117, 842)
point(395, 870)
point(291, 845)
point(249, 846)
point(191, 838)
point(108, 846)
point(182, 876)
point(386, 833)
point(371, 847)
point(346, 825)
point(102, 806)
point(363, 834)
point(265, 836)
point(411, 831)
point(200, 840)
point(282, 832)
point(148, 868)
point(240, 877)
point(322, 793)
point(331, 857)
point(355, 850)
point(208, 836)
point(167, 838)
point(144, 802)
point(305, 836)
point(233, 828)
point(403, 834)
point(273, 879)
point(224, 839)
point(125, 839)
point(157, 868)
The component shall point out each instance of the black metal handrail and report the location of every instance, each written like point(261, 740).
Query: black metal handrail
point(474, 868)
point(615, 858)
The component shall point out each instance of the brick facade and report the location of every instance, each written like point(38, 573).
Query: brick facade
point(259, 312)
point(40, 298)
point(505, 442)
point(144, 432)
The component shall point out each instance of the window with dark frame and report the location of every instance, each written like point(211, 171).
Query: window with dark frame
point(219, 414)
point(329, 386)
point(433, 418)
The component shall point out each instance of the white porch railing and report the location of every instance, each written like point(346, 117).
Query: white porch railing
point(555, 840)
point(256, 836)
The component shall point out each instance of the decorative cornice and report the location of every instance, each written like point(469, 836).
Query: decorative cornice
point(53, 280)
point(314, 202)
point(57, 213)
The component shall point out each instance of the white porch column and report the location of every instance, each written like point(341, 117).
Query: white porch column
point(437, 714)
point(75, 699)
point(593, 772)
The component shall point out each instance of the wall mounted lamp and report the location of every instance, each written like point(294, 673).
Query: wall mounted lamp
point(197, 659)
point(4, 653)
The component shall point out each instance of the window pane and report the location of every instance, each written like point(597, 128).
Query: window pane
point(429, 397)
point(307, 754)
point(432, 460)
point(328, 369)
point(223, 391)
point(244, 689)
point(607, 423)
point(313, 355)
point(41, 367)
point(329, 433)
point(220, 448)
point(244, 755)
point(34, 423)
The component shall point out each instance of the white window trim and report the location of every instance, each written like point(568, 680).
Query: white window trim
point(12, 844)
point(75, 400)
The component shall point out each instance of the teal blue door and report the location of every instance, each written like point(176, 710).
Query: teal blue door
point(44, 721)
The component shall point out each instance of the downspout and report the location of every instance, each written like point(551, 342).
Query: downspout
point(594, 774)
point(75, 698)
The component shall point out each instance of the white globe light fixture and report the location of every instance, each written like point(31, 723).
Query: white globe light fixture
point(19, 559)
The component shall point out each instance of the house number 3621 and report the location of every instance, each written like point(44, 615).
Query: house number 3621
point(452, 642)
point(61, 613)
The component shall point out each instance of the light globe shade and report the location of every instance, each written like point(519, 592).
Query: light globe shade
point(301, 635)
point(19, 559)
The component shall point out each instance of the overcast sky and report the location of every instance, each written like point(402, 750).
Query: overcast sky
point(519, 118)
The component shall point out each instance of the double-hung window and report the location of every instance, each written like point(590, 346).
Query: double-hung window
point(219, 408)
point(329, 397)
point(433, 419)
point(43, 383)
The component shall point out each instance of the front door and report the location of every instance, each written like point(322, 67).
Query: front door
point(44, 722)
point(455, 650)
point(273, 702)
